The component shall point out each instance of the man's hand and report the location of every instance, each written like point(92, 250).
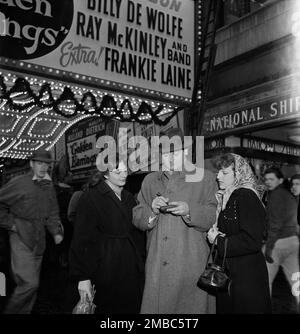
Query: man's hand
point(268, 255)
point(158, 202)
point(58, 239)
point(181, 209)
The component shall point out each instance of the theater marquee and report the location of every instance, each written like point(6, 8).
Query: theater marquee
point(135, 45)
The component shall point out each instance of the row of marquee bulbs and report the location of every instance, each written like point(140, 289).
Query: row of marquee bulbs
point(9, 79)
point(79, 91)
point(82, 90)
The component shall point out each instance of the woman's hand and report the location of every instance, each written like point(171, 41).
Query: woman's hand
point(212, 234)
point(85, 290)
point(58, 239)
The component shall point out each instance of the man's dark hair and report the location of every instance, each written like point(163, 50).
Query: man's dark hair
point(295, 177)
point(274, 170)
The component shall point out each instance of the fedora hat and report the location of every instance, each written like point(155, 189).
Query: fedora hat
point(41, 155)
point(173, 140)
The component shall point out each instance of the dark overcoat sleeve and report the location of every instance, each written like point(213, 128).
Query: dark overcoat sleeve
point(72, 207)
point(83, 256)
point(276, 216)
point(251, 220)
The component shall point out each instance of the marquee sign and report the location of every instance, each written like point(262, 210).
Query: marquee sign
point(81, 142)
point(32, 29)
point(253, 143)
point(138, 45)
point(280, 109)
point(29, 119)
point(263, 144)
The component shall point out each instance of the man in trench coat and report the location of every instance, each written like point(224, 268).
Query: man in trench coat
point(176, 240)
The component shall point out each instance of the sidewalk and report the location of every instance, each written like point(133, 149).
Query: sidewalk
point(56, 295)
point(283, 301)
point(51, 295)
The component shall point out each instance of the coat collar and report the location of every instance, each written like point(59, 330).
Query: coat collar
point(162, 175)
point(104, 189)
point(46, 177)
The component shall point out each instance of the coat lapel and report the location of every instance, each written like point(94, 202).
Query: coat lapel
point(120, 204)
point(105, 190)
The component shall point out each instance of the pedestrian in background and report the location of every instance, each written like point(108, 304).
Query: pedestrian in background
point(28, 205)
point(72, 207)
point(295, 190)
point(282, 245)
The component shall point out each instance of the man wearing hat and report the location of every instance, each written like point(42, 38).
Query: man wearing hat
point(295, 190)
point(28, 205)
point(176, 241)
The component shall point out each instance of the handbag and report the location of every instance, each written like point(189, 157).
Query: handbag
point(214, 278)
point(85, 305)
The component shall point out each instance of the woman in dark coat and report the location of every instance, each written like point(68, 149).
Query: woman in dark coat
point(241, 219)
point(107, 250)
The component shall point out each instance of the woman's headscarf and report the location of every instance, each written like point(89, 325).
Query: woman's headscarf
point(244, 178)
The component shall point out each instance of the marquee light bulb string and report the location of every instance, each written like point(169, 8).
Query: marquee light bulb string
point(68, 106)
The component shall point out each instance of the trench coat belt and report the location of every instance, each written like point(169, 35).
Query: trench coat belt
point(127, 236)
